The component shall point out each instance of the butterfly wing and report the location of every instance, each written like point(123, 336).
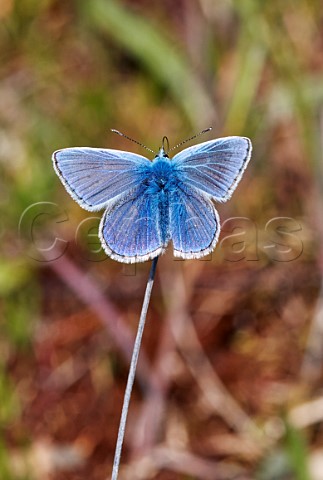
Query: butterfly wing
point(94, 176)
point(215, 167)
point(193, 222)
point(130, 229)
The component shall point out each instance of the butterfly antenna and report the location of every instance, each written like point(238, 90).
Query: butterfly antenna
point(191, 138)
point(131, 139)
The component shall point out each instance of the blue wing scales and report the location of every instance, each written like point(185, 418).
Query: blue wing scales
point(94, 176)
point(214, 167)
point(193, 222)
point(130, 229)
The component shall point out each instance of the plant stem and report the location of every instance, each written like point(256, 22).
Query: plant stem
point(132, 370)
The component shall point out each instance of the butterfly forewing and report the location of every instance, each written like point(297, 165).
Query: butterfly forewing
point(214, 167)
point(94, 176)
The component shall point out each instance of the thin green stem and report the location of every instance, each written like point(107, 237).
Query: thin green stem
point(132, 370)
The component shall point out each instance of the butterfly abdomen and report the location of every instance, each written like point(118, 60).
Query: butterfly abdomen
point(159, 182)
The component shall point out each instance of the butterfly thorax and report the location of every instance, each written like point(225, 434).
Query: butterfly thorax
point(160, 176)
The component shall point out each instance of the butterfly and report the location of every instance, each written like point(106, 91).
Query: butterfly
point(150, 203)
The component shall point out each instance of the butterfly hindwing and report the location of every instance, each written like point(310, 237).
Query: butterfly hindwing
point(130, 229)
point(193, 222)
point(94, 176)
point(214, 167)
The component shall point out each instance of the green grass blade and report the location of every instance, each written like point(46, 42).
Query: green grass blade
point(166, 64)
point(297, 453)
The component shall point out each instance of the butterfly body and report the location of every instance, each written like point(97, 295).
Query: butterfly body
point(148, 203)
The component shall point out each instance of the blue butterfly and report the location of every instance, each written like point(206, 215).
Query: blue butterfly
point(148, 203)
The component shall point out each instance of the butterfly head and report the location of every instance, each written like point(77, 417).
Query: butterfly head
point(164, 149)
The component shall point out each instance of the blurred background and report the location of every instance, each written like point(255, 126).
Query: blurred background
point(229, 384)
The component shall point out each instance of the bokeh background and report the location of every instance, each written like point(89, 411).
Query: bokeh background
point(229, 384)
